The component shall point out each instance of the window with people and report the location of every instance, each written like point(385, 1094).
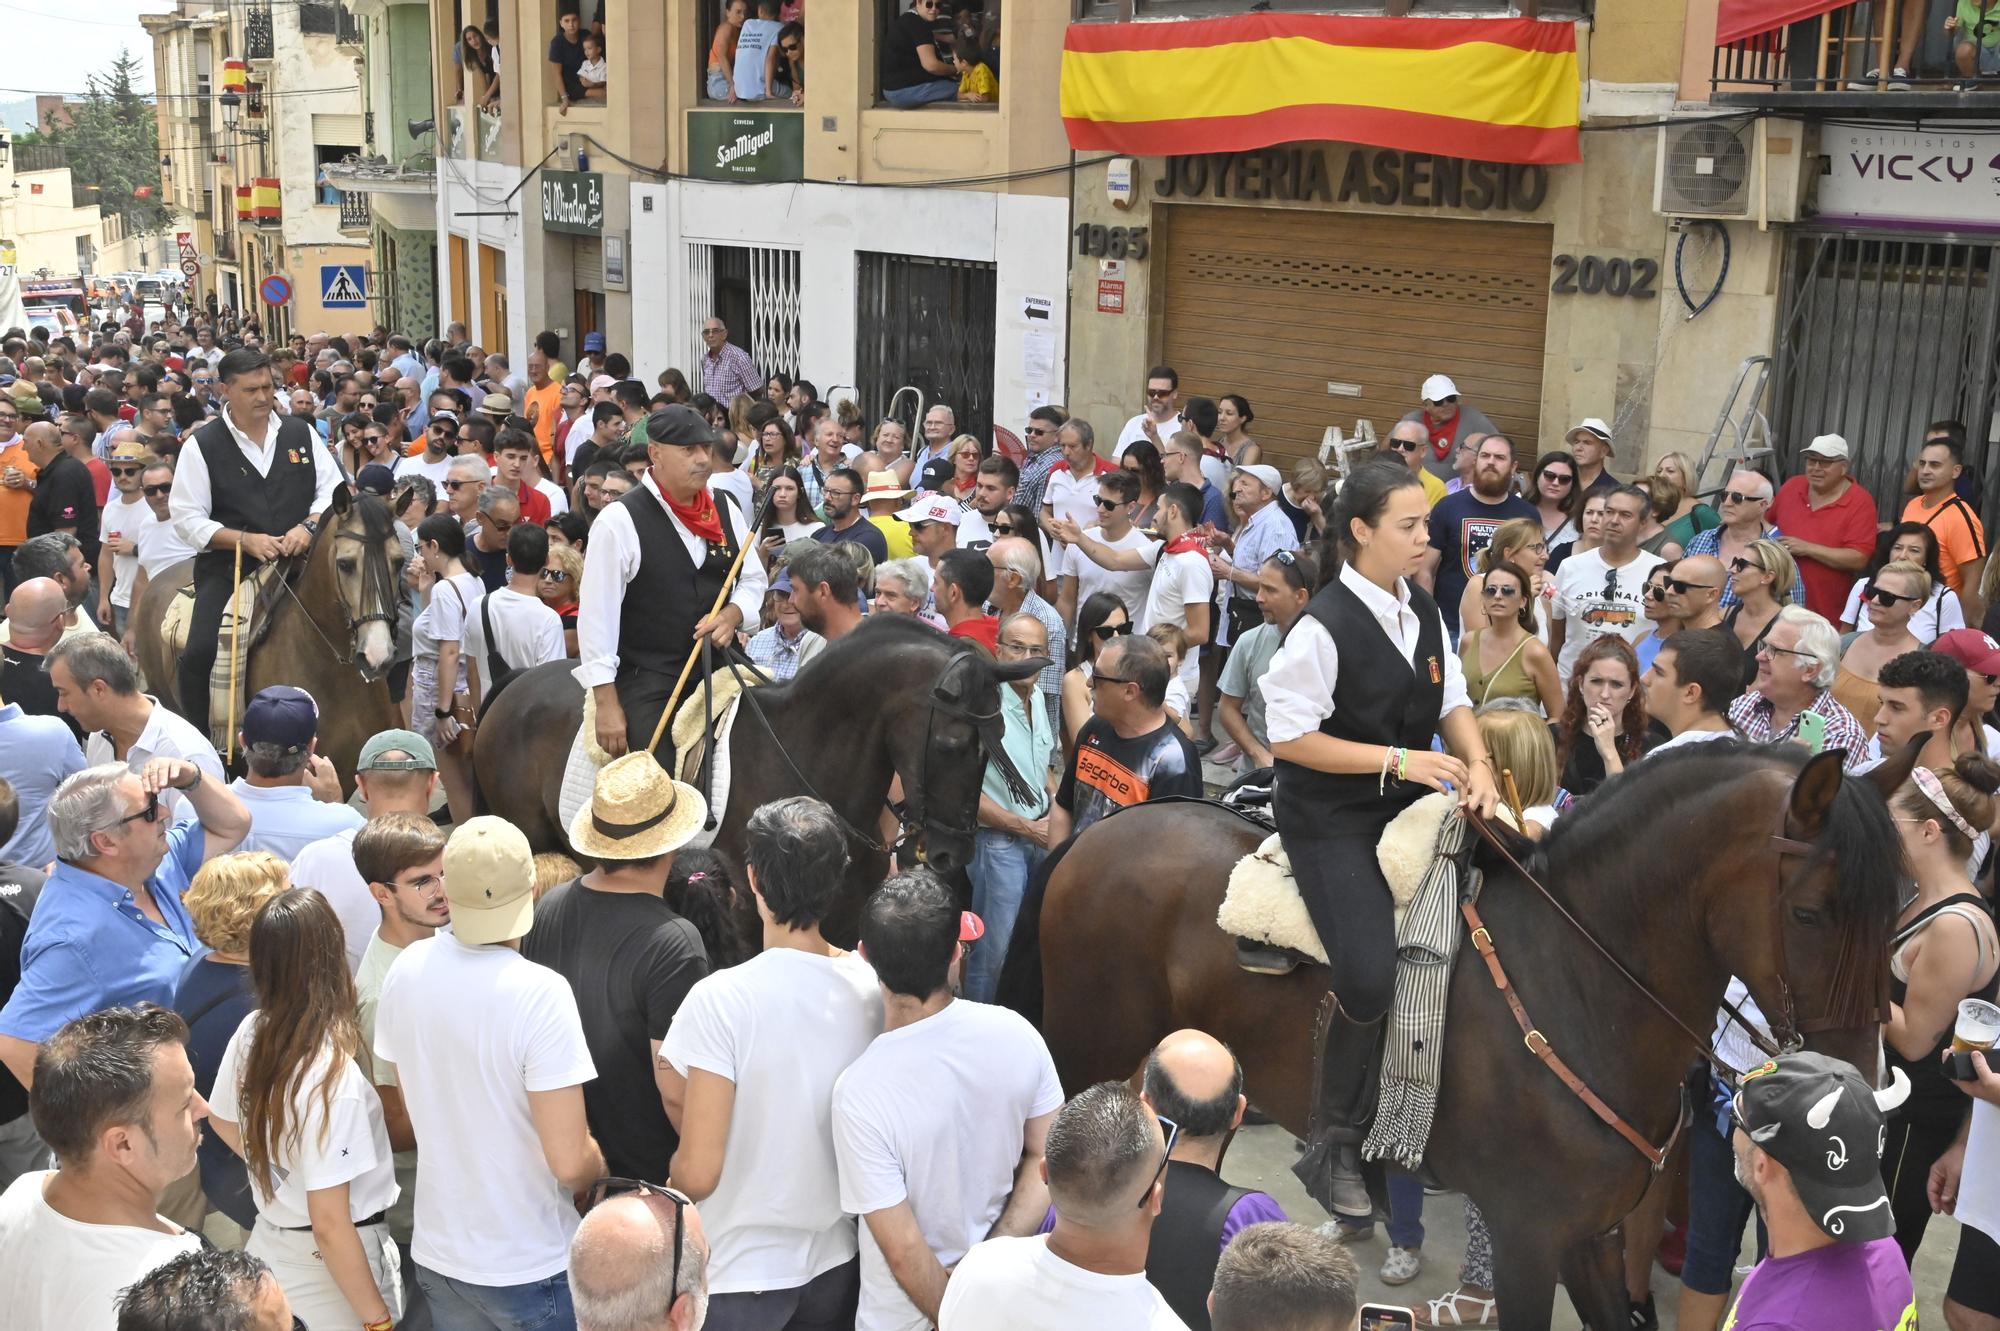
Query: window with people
point(756, 51)
point(932, 52)
point(475, 59)
point(578, 70)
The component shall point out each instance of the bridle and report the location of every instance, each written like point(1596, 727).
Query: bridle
point(376, 586)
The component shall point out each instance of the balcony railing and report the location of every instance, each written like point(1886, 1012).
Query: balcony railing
point(257, 42)
point(354, 212)
point(1836, 60)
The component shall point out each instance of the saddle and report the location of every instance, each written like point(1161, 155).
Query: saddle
point(255, 604)
point(702, 723)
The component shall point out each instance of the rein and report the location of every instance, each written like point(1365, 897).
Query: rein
point(377, 580)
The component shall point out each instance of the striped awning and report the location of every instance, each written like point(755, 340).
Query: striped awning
point(1500, 90)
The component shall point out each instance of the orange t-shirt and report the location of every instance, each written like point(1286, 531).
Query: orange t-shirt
point(1960, 537)
point(550, 401)
point(14, 503)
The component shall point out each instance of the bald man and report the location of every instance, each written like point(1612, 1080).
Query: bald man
point(1193, 1079)
point(626, 1254)
point(34, 622)
point(1694, 591)
point(1409, 443)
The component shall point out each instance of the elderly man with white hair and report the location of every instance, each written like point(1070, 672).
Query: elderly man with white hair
point(940, 424)
point(639, 1262)
point(1792, 699)
point(1017, 571)
point(903, 587)
point(1743, 506)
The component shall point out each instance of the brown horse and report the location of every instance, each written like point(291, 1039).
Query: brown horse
point(331, 635)
point(1675, 868)
point(893, 698)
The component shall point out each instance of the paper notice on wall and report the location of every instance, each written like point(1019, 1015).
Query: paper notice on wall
point(1038, 359)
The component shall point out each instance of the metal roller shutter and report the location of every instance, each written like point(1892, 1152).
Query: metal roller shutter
point(1278, 304)
point(587, 263)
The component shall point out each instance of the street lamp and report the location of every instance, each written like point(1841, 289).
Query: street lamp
point(5, 148)
point(232, 106)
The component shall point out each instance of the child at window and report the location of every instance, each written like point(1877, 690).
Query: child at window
point(975, 81)
point(592, 73)
point(722, 51)
point(753, 45)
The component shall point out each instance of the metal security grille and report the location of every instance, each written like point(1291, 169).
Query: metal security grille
point(1328, 318)
point(926, 323)
point(754, 290)
point(1879, 336)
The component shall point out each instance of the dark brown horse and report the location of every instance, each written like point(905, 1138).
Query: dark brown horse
point(331, 635)
point(893, 698)
point(1672, 867)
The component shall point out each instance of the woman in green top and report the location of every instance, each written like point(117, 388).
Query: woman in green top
point(1505, 659)
point(1689, 515)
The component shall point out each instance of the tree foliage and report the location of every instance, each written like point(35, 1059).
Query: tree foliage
point(113, 143)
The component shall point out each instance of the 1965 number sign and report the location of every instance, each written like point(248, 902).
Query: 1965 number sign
point(1594, 275)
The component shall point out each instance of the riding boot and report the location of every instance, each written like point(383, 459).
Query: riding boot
point(1346, 1081)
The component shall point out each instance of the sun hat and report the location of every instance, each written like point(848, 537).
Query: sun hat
point(636, 812)
point(489, 878)
point(884, 485)
point(496, 404)
point(1266, 473)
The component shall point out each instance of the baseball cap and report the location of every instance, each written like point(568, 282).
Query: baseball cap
point(1439, 387)
point(1266, 473)
point(593, 341)
point(1970, 648)
point(783, 581)
point(1828, 446)
point(679, 425)
point(375, 479)
point(489, 878)
point(422, 758)
point(283, 717)
point(602, 382)
point(446, 415)
point(935, 509)
point(1821, 1120)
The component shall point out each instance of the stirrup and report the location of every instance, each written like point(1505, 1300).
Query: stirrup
point(1265, 959)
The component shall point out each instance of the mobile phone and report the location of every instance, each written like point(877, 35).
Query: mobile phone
point(1812, 731)
point(1387, 1317)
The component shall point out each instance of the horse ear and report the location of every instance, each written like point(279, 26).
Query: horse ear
point(1813, 794)
point(1894, 769)
point(343, 499)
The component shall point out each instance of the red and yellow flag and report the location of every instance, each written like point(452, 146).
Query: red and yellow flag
point(1497, 90)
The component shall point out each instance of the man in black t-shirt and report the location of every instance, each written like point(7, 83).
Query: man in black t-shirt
point(65, 496)
point(1463, 523)
point(1130, 751)
point(628, 957)
point(566, 57)
point(21, 1150)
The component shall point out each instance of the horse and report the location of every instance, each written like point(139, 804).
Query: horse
point(893, 698)
point(332, 632)
point(1721, 859)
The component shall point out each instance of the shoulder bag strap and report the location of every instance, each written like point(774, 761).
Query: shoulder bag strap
point(496, 664)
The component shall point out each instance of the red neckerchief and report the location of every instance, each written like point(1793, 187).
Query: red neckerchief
point(700, 517)
point(1180, 545)
point(1443, 435)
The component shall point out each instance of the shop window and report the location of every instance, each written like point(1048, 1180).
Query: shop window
point(580, 73)
point(735, 46)
point(949, 56)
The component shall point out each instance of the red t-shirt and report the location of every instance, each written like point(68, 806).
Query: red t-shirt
point(534, 505)
point(983, 629)
point(100, 476)
point(1848, 523)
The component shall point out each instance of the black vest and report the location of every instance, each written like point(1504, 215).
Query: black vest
point(1187, 1239)
point(669, 595)
point(239, 498)
point(1378, 698)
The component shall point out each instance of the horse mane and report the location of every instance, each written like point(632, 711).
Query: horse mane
point(880, 633)
point(1858, 842)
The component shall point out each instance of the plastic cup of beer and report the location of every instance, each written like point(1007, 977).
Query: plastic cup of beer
point(1978, 1025)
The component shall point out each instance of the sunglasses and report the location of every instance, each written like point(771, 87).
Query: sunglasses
point(1404, 445)
point(1736, 497)
point(153, 490)
point(1159, 394)
point(1097, 679)
point(1499, 593)
point(459, 485)
point(1109, 504)
point(1106, 632)
point(150, 814)
point(1681, 586)
point(1656, 591)
point(1173, 1135)
point(1884, 597)
point(606, 1188)
point(999, 528)
point(127, 471)
point(555, 575)
point(1034, 433)
point(1561, 477)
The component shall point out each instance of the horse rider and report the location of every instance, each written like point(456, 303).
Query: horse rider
point(658, 558)
point(252, 480)
point(1365, 680)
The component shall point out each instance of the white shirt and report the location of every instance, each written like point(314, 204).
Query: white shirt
point(286, 819)
point(1687, 737)
point(1135, 430)
point(1298, 686)
point(192, 497)
point(1091, 578)
point(1979, 1186)
point(1938, 615)
point(327, 866)
point(577, 436)
point(327, 1142)
point(489, 1212)
point(435, 472)
point(1068, 495)
point(1019, 1285)
point(58, 1274)
point(935, 1114)
point(166, 734)
point(160, 544)
point(614, 562)
point(558, 500)
point(1581, 603)
point(528, 633)
point(742, 492)
point(1179, 581)
point(782, 1026)
point(124, 517)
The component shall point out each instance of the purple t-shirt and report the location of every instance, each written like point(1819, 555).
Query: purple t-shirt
point(1841, 1287)
point(1251, 1209)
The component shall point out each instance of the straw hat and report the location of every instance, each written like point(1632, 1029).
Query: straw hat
point(636, 812)
point(884, 485)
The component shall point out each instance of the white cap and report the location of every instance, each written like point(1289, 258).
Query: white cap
point(602, 382)
point(1439, 387)
point(935, 509)
point(1828, 446)
point(1266, 473)
point(1591, 425)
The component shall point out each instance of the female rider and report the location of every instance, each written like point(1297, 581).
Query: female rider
point(1365, 681)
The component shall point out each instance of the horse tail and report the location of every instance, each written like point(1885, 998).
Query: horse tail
point(701, 891)
point(1020, 986)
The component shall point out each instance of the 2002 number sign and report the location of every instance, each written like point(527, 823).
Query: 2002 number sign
point(1593, 275)
point(1112, 242)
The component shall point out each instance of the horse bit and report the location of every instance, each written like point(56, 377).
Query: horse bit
point(377, 581)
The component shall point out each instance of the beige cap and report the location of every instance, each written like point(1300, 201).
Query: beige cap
point(1828, 446)
point(489, 878)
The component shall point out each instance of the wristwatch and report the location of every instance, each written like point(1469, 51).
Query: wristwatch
point(441, 713)
point(192, 784)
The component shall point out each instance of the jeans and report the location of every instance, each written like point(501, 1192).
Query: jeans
point(718, 85)
point(541, 1305)
point(1717, 1207)
point(824, 1303)
point(937, 90)
point(1406, 1211)
point(1000, 868)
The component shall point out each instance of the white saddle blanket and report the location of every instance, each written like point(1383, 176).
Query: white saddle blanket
point(585, 758)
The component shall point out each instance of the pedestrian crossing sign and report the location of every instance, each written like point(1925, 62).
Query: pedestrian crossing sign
point(343, 286)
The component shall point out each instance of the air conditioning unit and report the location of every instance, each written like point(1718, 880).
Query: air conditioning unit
point(1731, 169)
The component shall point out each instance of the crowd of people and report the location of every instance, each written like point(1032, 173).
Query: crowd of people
point(448, 1082)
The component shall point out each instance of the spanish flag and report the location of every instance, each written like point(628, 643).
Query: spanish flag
point(1498, 90)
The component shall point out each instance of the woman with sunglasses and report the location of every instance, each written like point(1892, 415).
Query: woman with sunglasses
point(1505, 659)
point(1556, 497)
point(1908, 543)
point(1892, 595)
point(963, 453)
point(1101, 618)
point(1689, 515)
point(557, 588)
point(1520, 542)
point(1660, 615)
point(1142, 458)
point(293, 1099)
point(1604, 726)
point(1763, 576)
